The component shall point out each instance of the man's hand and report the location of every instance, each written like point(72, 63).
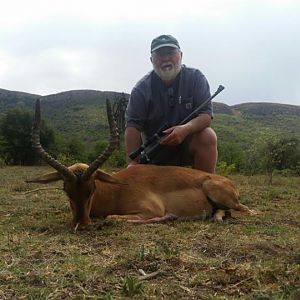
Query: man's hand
point(175, 135)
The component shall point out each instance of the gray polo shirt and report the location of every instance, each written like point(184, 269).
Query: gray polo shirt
point(152, 104)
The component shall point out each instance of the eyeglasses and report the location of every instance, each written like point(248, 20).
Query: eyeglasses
point(164, 52)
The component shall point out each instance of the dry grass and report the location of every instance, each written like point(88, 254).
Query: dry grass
point(250, 258)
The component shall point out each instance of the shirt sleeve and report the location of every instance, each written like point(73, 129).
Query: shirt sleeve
point(135, 114)
point(202, 93)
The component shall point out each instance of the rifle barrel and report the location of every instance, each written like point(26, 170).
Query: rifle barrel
point(197, 110)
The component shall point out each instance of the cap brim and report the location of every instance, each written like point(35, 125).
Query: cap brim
point(164, 45)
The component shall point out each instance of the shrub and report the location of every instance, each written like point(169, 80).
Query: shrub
point(132, 286)
point(66, 159)
point(226, 169)
point(117, 159)
point(2, 162)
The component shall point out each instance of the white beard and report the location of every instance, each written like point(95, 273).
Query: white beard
point(168, 74)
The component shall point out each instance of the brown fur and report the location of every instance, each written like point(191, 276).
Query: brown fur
point(147, 193)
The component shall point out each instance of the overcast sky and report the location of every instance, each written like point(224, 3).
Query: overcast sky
point(251, 47)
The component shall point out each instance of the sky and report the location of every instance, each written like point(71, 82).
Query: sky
point(250, 47)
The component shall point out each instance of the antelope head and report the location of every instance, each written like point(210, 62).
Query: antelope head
point(78, 179)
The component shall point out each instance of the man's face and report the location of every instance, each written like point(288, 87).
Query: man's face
point(166, 63)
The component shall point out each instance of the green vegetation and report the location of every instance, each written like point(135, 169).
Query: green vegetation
point(253, 138)
point(246, 258)
point(15, 137)
point(257, 144)
point(132, 286)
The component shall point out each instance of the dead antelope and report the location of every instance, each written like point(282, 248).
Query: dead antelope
point(141, 193)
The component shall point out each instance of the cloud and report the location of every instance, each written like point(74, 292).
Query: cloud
point(251, 47)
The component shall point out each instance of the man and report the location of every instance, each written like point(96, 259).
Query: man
point(166, 95)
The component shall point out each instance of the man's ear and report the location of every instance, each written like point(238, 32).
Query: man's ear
point(151, 59)
point(46, 178)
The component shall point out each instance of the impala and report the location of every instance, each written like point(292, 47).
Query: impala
point(141, 193)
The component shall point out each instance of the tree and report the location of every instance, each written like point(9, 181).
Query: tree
point(271, 152)
point(96, 150)
point(15, 129)
point(232, 154)
point(288, 153)
point(76, 149)
point(2, 152)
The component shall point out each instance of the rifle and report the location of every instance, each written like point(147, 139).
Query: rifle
point(151, 146)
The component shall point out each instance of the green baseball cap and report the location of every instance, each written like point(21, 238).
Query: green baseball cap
point(164, 41)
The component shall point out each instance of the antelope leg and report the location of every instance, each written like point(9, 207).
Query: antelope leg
point(167, 217)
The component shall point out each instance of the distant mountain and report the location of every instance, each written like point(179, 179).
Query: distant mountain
point(10, 99)
point(76, 113)
point(264, 109)
point(221, 108)
point(81, 114)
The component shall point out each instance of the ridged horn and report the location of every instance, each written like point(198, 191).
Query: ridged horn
point(113, 143)
point(35, 139)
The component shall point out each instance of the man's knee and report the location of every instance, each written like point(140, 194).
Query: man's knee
point(204, 150)
point(205, 138)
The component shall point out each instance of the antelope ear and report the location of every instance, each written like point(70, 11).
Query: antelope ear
point(102, 176)
point(46, 178)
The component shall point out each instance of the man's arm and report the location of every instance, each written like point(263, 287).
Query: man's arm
point(176, 134)
point(132, 142)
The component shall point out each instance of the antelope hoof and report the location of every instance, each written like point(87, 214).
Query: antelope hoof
point(80, 226)
point(218, 216)
point(254, 212)
point(217, 219)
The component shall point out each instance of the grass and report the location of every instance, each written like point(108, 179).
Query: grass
point(249, 258)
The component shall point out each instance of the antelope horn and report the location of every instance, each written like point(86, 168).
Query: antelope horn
point(113, 143)
point(35, 139)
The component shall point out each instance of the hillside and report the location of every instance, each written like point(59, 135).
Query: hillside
point(11, 99)
point(267, 109)
point(76, 113)
point(81, 113)
point(250, 119)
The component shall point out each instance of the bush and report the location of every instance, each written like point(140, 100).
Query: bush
point(66, 159)
point(225, 169)
point(117, 159)
point(284, 172)
point(15, 137)
point(2, 162)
